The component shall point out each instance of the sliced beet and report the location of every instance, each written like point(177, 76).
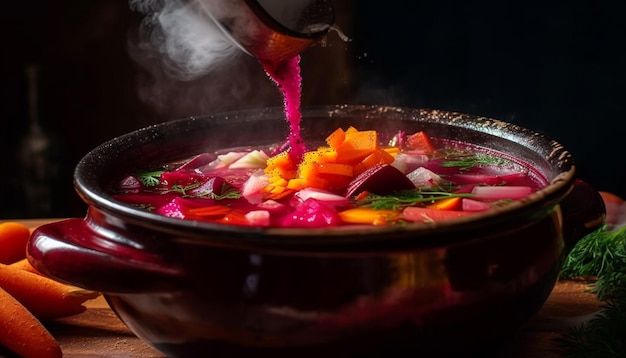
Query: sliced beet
point(196, 162)
point(382, 179)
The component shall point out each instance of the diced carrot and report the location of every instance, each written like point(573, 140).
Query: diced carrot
point(335, 139)
point(419, 214)
point(393, 151)
point(356, 146)
point(379, 156)
point(296, 184)
point(334, 168)
point(13, 238)
point(447, 204)
point(362, 195)
point(420, 141)
point(351, 129)
point(321, 155)
point(281, 165)
point(22, 333)
point(43, 297)
point(368, 216)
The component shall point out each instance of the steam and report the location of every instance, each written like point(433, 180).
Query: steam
point(187, 66)
point(189, 43)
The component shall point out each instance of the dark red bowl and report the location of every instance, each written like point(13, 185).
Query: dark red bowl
point(190, 288)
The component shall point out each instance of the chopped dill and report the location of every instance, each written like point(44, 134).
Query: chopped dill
point(465, 160)
point(405, 198)
point(150, 179)
point(226, 192)
point(602, 256)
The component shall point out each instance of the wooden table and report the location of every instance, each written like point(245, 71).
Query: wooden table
point(99, 333)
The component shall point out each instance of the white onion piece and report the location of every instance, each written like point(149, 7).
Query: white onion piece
point(273, 206)
point(252, 160)
point(407, 162)
point(327, 197)
point(468, 204)
point(230, 157)
point(422, 177)
point(258, 217)
point(251, 190)
point(512, 192)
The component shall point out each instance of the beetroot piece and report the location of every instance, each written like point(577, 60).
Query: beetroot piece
point(197, 162)
point(211, 187)
point(381, 179)
point(128, 185)
point(181, 178)
point(178, 207)
point(311, 213)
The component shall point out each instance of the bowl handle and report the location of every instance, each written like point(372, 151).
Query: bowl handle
point(72, 251)
point(583, 212)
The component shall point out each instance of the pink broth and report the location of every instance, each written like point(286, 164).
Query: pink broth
point(227, 187)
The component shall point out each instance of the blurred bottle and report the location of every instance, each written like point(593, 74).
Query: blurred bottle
point(37, 158)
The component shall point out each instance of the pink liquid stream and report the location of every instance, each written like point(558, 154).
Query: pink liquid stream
point(286, 75)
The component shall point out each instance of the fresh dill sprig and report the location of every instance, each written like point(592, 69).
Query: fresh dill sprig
point(601, 254)
point(226, 191)
point(466, 161)
point(601, 336)
point(404, 198)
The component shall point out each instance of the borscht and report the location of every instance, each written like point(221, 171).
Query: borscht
point(353, 177)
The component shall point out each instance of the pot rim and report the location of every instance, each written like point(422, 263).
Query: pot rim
point(543, 200)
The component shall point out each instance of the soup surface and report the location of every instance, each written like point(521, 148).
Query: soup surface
point(353, 177)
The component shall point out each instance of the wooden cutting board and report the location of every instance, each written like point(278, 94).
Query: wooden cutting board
point(99, 333)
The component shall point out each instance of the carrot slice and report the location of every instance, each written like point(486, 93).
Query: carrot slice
point(13, 238)
point(368, 216)
point(22, 333)
point(447, 204)
point(43, 297)
point(206, 211)
point(419, 214)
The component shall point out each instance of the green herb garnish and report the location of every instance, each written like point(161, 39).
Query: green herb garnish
point(601, 254)
point(150, 179)
point(467, 161)
point(226, 192)
point(405, 198)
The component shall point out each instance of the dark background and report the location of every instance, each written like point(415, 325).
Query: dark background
point(557, 68)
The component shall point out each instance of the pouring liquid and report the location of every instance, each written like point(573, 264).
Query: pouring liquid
point(286, 75)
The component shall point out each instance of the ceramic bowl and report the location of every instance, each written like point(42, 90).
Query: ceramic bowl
point(198, 289)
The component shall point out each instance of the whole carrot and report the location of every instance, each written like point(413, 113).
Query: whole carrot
point(13, 238)
point(23, 264)
point(44, 297)
point(22, 333)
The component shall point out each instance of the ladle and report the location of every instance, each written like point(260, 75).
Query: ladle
point(272, 30)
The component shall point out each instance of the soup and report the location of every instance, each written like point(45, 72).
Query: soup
point(353, 177)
